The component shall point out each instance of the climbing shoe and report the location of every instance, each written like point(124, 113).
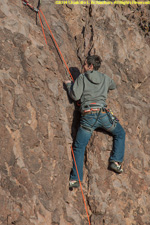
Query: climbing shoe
point(116, 167)
point(73, 184)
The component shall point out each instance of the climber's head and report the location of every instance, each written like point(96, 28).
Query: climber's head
point(92, 62)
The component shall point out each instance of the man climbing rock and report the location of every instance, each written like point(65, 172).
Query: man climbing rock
point(91, 89)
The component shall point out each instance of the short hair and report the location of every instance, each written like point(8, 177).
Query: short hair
point(94, 60)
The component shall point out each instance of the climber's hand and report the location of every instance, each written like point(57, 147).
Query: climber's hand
point(67, 81)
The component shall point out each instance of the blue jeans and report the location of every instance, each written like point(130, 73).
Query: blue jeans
point(84, 133)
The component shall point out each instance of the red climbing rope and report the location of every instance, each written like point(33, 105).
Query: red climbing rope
point(57, 45)
point(38, 11)
point(80, 185)
point(42, 27)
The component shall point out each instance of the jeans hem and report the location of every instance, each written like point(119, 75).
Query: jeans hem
point(112, 160)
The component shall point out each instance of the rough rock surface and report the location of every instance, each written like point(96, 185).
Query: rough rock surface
point(38, 123)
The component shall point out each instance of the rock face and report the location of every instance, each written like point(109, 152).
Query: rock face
point(39, 123)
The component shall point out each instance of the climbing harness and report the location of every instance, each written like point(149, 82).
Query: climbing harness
point(38, 10)
point(92, 107)
point(112, 118)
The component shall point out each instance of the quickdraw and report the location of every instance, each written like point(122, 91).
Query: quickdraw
point(36, 10)
point(111, 115)
point(31, 7)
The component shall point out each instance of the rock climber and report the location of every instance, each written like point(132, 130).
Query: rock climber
point(91, 89)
